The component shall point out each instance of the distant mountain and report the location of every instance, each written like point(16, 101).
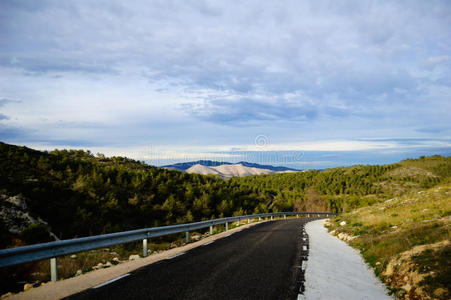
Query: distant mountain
point(229, 170)
point(209, 163)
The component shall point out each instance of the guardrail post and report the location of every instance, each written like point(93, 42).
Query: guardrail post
point(238, 222)
point(248, 221)
point(187, 237)
point(144, 247)
point(211, 230)
point(308, 216)
point(297, 216)
point(226, 226)
point(284, 216)
point(53, 269)
point(272, 218)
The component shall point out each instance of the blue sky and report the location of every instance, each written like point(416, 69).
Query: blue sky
point(328, 82)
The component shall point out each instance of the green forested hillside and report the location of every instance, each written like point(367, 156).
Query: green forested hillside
point(342, 189)
point(79, 193)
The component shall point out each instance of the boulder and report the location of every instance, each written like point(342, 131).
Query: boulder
point(133, 257)
point(196, 237)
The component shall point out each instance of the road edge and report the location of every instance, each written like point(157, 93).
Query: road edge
point(74, 285)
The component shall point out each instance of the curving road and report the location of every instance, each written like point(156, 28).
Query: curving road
point(261, 262)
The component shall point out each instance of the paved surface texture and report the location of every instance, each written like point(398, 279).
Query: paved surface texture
point(337, 271)
point(63, 288)
point(261, 262)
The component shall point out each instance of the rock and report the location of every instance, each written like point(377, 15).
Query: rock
point(17, 201)
point(113, 253)
point(116, 259)
point(407, 287)
point(73, 256)
point(173, 245)
point(108, 264)
point(6, 295)
point(133, 257)
point(345, 237)
point(342, 223)
point(78, 273)
point(378, 263)
point(27, 286)
point(196, 237)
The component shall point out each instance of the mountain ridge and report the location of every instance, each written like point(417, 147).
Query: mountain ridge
point(210, 163)
point(228, 171)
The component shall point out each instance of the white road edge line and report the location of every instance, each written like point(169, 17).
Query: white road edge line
point(208, 243)
point(110, 281)
point(176, 255)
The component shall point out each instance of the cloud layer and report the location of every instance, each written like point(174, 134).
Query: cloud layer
point(181, 73)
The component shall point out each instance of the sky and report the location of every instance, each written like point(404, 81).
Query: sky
point(305, 84)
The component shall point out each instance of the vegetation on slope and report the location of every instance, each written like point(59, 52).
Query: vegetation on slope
point(407, 241)
point(79, 194)
point(76, 193)
point(347, 188)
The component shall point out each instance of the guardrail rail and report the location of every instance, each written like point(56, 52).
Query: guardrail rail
point(52, 250)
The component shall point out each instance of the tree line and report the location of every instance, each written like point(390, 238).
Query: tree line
point(80, 193)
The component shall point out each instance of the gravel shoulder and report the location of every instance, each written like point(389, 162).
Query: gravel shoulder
point(337, 271)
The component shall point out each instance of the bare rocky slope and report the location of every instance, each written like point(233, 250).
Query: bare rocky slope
point(228, 171)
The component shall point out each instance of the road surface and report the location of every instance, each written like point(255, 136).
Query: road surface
point(261, 262)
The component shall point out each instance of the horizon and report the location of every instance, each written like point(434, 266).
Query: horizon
point(301, 85)
point(292, 160)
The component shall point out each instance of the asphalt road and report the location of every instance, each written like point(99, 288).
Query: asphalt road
point(261, 262)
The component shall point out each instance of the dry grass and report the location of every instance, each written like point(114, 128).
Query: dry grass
point(383, 232)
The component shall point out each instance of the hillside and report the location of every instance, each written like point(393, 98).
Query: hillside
point(75, 193)
point(407, 240)
point(346, 188)
point(72, 193)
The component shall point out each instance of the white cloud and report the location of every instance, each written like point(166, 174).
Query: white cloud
point(212, 73)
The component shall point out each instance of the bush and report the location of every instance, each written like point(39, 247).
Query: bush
point(36, 233)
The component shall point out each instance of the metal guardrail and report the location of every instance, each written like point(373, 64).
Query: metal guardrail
point(52, 250)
